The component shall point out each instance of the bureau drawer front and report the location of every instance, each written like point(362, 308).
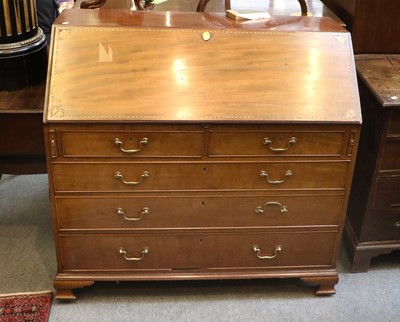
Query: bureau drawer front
point(276, 143)
point(137, 144)
point(394, 123)
point(75, 177)
point(196, 251)
point(387, 192)
point(382, 224)
point(175, 212)
point(390, 156)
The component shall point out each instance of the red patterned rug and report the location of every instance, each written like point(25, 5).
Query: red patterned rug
point(25, 307)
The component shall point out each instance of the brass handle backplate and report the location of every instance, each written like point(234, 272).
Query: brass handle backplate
point(119, 143)
point(268, 142)
point(118, 175)
point(264, 174)
point(260, 209)
point(121, 212)
point(143, 252)
point(256, 249)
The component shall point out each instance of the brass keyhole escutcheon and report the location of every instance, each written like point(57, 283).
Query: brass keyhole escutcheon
point(206, 35)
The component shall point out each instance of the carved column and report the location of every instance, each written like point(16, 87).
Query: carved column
point(23, 50)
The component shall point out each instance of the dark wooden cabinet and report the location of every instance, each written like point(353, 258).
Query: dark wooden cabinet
point(374, 24)
point(373, 216)
point(200, 150)
point(21, 131)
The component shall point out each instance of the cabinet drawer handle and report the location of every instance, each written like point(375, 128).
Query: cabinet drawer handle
point(144, 252)
point(397, 224)
point(260, 209)
point(278, 249)
point(119, 143)
point(264, 174)
point(121, 212)
point(268, 142)
point(118, 175)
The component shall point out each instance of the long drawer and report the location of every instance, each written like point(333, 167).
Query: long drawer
point(394, 123)
point(196, 251)
point(390, 156)
point(160, 212)
point(114, 177)
point(387, 193)
point(383, 224)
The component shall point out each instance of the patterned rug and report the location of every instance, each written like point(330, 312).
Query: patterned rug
point(25, 307)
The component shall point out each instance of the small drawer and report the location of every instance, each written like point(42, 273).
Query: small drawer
point(131, 144)
point(390, 156)
point(276, 143)
point(387, 192)
point(197, 251)
point(158, 212)
point(382, 224)
point(394, 123)
point(119, 177)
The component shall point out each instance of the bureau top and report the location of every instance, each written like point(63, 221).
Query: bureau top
point(124, 66)
point(381, 73)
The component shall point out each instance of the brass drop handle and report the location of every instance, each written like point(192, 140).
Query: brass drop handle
point(119, 143)
point(118, 175)
point(264, 174)
point(257, 250)
point(144, 252)
point(397, 224)
point(260, 209)
point(121, 212)
point(268, 142)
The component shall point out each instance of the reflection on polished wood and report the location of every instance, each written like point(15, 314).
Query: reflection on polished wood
point(313, 8)
point(134, 4)
point(183, 75)
point(203, 3)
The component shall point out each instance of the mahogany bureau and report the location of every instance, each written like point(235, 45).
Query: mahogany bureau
point(187, 146)
point(373, 217)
